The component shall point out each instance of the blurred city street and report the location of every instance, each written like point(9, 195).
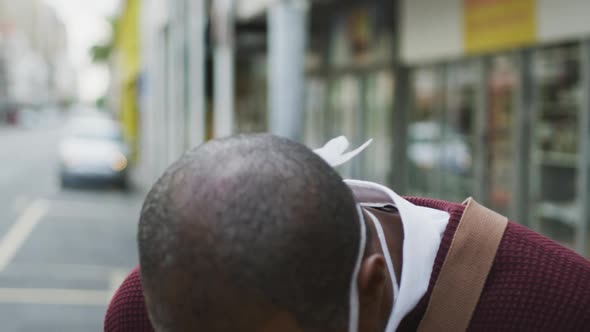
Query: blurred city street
point(62, 252)
point(461, 98)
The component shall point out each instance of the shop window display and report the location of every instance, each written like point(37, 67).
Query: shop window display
point(378, 116)
point(361, 36)
point(556, 155)
point(502, 85)
point(359, 84)
point(315, 106)
point(425, 133)
point(458, 153)
point(345, 115)
point(441, 133)
point(251, 95)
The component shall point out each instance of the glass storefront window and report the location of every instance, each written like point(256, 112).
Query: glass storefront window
point(361, 35)
point(502, 84)
point(251, 95)
point(314, 131)
point(446, 120)
point(441, 133)
point(345, 115)
point(379, 126)
point(425, 133)
point(456, 164)
point(556, 155)
point(351, 92)
point(339, 50)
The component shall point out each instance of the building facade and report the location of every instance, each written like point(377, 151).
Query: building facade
point(463, 97)
point(34, 67)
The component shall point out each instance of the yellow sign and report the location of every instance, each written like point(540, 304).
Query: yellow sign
point(492, 25)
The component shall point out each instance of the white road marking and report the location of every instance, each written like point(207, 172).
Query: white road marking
point(20, 202)
point(53, 187)
point(54, 296)
point(22, 228)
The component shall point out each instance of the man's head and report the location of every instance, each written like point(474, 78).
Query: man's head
point(249, 233)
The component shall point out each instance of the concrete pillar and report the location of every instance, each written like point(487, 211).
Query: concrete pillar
point(287, 31)
point(481, 162)
point(223, 67)
point(582, 234)
point(171, 87)
point(176, 76)
point(155, 17)
point(196, 78)
point(398, 176)
point(145, 163)
point(163, 96)
point(526, 112)
point(402, 104)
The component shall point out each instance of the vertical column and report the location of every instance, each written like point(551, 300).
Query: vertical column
point(156, 16)
point(286, 48)
point(164, 96)
point(482, 135)
point(443, 73)
point(401, 108)
point(525, 111)
point(148, 128)
point(171, 88)
point(196, 70)
point(402, 103)
point(584, 182)
point(223, 67)
point(176, 77)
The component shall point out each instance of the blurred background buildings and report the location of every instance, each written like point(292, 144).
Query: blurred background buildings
point(462, 97)
point(482, 98)
point(35, 70)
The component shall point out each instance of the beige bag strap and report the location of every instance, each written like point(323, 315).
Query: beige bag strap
point(465, 269)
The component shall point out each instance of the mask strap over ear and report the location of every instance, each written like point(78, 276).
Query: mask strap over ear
point(389, 264)
point(353, 316)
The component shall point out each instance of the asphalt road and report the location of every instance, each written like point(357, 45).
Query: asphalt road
point(62, 252)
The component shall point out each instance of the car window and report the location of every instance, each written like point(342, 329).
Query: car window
point(98, 128)
point(105, 135)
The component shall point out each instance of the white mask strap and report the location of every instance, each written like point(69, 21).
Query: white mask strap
point(353, 317)
point(334, 152)
point(389, 264)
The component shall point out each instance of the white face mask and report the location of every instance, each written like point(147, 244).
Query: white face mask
point(334, 153)
point(354, 296)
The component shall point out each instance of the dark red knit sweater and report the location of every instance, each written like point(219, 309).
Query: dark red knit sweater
point(127, 311)
point(534, 285)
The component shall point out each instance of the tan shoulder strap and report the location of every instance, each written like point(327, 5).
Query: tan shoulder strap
point(465, 269)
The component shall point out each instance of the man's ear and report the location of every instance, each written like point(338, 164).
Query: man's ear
point(372, 281)
point(372, 276)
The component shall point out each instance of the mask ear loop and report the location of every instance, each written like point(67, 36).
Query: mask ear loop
point(353, 317)
point(386, 255)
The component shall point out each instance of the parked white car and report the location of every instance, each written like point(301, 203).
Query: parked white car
point(93, 149)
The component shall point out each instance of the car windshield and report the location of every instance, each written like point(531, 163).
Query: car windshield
point(95, 128)
point(104, 135)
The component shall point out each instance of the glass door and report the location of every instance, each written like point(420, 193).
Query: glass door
point(378, 99)
point(425, 133)
point(458, 130)
point(315, 105)
point(556, 152)
point(502, 84)
point(345, 117)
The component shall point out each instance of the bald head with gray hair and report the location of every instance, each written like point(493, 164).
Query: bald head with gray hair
point(248, 233)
